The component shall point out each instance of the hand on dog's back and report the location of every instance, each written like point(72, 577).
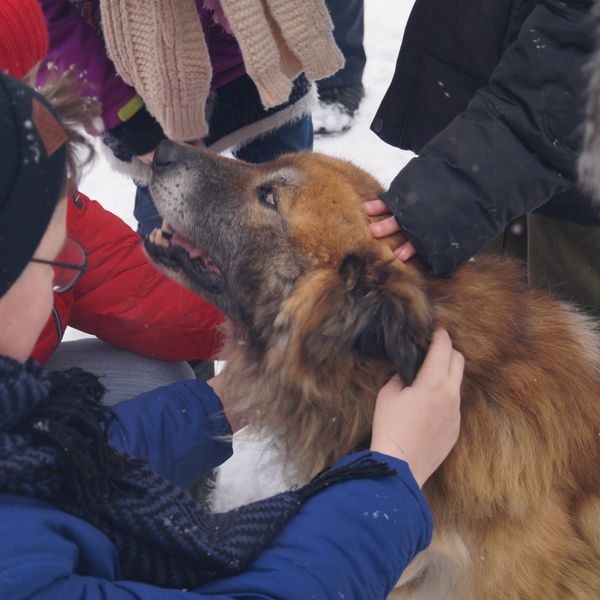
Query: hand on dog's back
point(420, 423)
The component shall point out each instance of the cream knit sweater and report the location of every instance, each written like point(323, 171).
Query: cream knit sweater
point(158, 48)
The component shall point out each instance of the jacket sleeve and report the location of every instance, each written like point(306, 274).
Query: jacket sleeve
point(124, 300)
point(180, 429)
point(352, 540)
point(73, 41)
point(513, 148)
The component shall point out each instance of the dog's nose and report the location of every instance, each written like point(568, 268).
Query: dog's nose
point(167, 153)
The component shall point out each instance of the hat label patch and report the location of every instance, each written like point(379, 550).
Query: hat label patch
point(51, 133)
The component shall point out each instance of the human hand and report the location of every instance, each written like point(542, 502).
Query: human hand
point(420, 423)
point(387, 226)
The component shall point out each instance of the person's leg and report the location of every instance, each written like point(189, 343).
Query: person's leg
point(145, 212)
point(348, 18)
point(340, 95)
point(122, 373)
point(564, 258)
point(291, 137)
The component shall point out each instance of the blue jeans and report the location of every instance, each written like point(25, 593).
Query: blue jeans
point(348, 18)
point(292, 137)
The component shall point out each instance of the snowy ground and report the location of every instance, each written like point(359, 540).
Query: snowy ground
point(254, 470)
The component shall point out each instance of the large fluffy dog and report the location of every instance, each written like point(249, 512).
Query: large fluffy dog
point(322, 314)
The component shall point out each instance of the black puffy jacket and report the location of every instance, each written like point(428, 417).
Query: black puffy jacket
point(490, 94)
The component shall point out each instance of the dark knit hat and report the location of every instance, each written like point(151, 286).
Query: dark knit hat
point(23, 36)
point(33, 155)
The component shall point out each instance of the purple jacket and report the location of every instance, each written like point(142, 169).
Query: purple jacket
point(76, 39)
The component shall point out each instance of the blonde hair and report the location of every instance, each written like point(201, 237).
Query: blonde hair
point(77, 114)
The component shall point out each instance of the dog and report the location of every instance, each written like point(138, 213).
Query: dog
point(322, 315)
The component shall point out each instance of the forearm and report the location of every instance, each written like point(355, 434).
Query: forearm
point(512, 149)
point(352, 540)
point(179, 429)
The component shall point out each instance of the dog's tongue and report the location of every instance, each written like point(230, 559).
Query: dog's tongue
point(179, 240)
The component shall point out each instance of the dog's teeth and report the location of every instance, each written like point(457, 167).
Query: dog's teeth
point(157, 238)
point(166, 229)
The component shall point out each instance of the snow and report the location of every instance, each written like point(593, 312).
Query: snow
point(255, 471)
point(331, 117)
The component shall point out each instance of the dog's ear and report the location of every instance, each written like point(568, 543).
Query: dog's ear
point(394, 312)
point(369, 306)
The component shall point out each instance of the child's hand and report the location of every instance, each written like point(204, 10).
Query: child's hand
point(387, 226)
point(420, 423)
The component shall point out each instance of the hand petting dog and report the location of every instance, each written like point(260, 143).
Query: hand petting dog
point(420, 423)
point(387, 226)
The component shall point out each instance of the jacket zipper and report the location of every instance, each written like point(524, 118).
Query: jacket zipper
point(59, 327)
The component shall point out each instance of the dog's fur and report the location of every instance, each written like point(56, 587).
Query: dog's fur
point(322, 314)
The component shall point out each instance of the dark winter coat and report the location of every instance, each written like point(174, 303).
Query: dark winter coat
point(490, 95)
point(351, 540)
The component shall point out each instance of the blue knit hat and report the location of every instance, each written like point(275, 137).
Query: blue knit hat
point(33, 154)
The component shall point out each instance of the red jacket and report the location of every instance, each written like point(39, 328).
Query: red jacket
point(122, 298)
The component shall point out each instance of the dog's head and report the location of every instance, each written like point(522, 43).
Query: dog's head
point(284, 250)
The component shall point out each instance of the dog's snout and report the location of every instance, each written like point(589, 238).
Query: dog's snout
point(166, 154)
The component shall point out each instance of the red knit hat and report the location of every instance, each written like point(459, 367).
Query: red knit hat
point(23, 36)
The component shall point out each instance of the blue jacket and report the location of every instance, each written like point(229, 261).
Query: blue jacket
point(350, 541)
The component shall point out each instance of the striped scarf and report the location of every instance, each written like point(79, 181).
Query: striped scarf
point(53, 447)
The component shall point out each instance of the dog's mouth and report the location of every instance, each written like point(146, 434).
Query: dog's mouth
point(174, 251)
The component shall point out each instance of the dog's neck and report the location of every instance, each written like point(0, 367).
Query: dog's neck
point(316, 419)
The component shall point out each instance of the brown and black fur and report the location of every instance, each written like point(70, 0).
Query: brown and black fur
point(321, 315)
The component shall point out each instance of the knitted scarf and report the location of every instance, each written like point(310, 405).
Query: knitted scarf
point(158, 47)
point(53, 447)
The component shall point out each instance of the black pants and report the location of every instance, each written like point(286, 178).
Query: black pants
point(348, 21)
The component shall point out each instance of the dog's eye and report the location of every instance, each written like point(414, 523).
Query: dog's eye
point(268, 196)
